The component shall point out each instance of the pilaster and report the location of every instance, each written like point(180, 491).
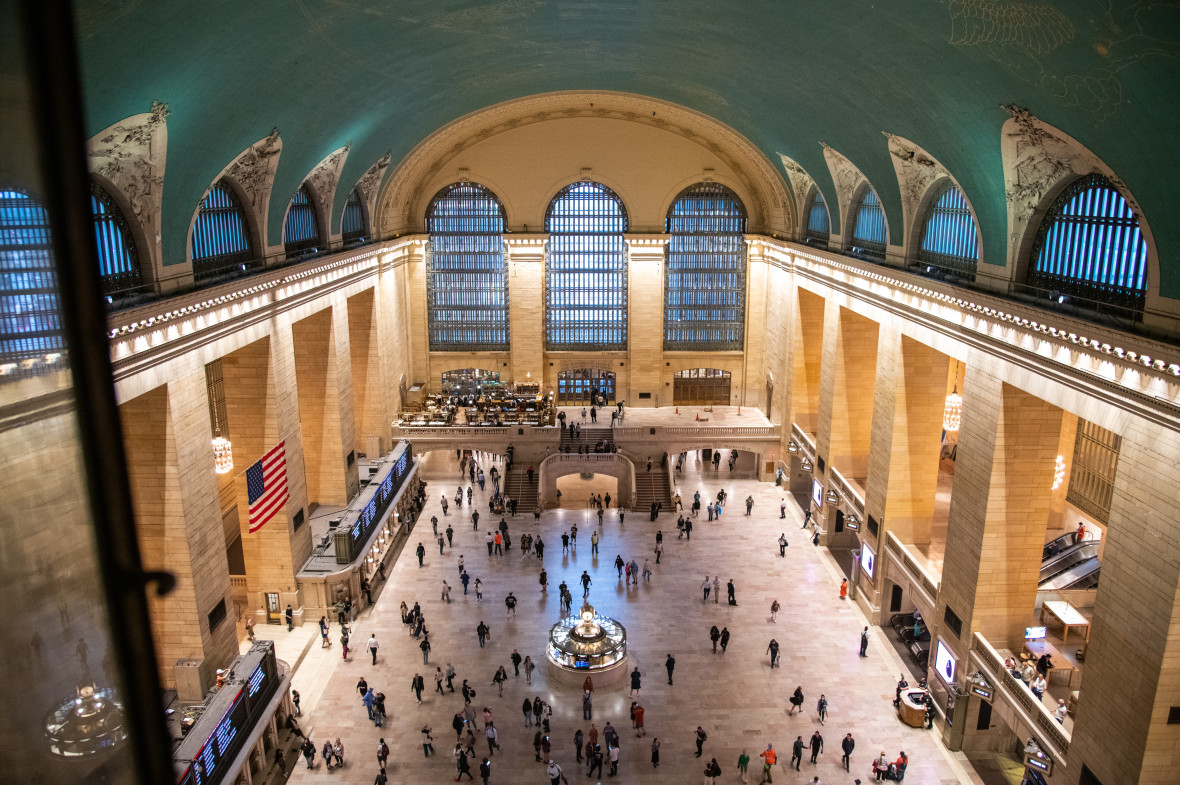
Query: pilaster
point(525, 257)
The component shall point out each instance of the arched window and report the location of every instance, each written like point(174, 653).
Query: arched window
point(586, 270)
point(220, 238)
point(118, 262)
point(869, 231)
point(301, 229)
point(352, 225)
point(818, 224)
point(704, 273)
point(30, 314)
point(950, 238)
point(1089, 246)
point(466, 279)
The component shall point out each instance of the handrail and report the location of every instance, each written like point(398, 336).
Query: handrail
point(902, 553)
point(1040, 719)
point(846, 491)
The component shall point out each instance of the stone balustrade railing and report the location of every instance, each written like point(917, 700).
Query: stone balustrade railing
point(1051, 734)
point(900, 553)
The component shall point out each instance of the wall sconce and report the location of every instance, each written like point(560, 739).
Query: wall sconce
point(792, 447)
point(832, 497)
point(1059, 472)
point(807, 465)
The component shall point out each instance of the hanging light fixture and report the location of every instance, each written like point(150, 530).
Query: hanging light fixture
point(223, 453)
point(1059, 472)
point(952, 412)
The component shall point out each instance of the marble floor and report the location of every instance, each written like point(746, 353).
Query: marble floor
point(735, 696)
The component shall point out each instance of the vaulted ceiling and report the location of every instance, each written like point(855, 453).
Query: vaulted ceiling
point(787, 74)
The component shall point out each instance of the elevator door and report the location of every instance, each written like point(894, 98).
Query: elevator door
point(701, 386)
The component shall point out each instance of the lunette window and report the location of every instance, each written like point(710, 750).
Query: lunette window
point(220, 238)
point(31, 338)
point(118, 262)
point(950, 238)
point(818, 223)
point(301, 229)
point(869, 230)
point(352, 225)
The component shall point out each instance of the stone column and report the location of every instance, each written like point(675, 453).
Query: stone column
point(807, 342)
point(853, 377)
point(525, 257)
point(645, 322)
point(368, 403)
point(753, 392)
point(174, 488)
point(418, 332)
point(999, 510)
point(395, 352)
point(1132, 675)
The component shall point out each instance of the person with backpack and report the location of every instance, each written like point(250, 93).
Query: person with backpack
point(382, 754)
point(713, 770)
point(309, 753)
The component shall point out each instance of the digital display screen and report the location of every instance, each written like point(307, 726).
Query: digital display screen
point(256, 680)
point(868, 560)
point(372, 512)
point(945, 663)
point(1035, 633)
point(817, 492)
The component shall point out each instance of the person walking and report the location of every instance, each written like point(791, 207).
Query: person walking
point(373, 647)
point(647, 570)
point(730, 591)
point(382, 754)
point(640, 712)
point(427, 742)
point(438, 680)
point(586, 581)
point(864, 642)
point(526, 708)
point(499, 678)
point(724, 638)
point(782, 545)
point(421, 552)
point(655, 753)
point(769, 756)
point(478, 590)
point(847, 745)
point(461, 763)
point(529, 666)
point(417, 684)
point(743, 764)
point(817, 746)
point(706, 587)
point(450, 535)
point(670, 665)
point(482, 632)
point(843, 588)
point(716, 589)
point(493, 738)
point(446, 592)
point(510, 604)
point(774, 609)
point(773, 650)
point(464, 579)
point(659, 551)
point(701, 738)
point(821, 708)
point(516, 660)
point(797, 752)
point(425, 647)
point(587, 705)
point(553, 771)
point(714, 635)
point(749, 503)
point(594, 543)
point(796, 700)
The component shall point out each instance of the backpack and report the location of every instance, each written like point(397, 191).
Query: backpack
point(384, 750)
point(704, 736)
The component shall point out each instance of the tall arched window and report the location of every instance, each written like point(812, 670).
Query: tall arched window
point(818, 223)
point(586, 270)
point(220, 238)
point(118, 262)
point(466, 279)
point(30, 314)
point(301, 229)
point(1089, 246)
point(869, 230)
point(950, 238)
point(704, 273)
point(352, 225)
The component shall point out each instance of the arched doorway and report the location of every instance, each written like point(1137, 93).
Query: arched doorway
point(706, 386)
point(576, 386)
point(469, 381)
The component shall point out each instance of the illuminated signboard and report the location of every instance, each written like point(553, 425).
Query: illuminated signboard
point(219, 745)
point(1039, 761)
point(982, 692)
point(371, 513)
point(944, 663)
point(817, 492)
point(868, 559)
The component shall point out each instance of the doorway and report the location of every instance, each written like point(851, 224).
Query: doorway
point(579, 386)
point(701, 386)
point(274, 613)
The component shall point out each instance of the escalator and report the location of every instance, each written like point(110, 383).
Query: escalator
point(1066, 565)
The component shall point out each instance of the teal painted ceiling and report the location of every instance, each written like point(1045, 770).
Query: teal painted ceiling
point(787, 74)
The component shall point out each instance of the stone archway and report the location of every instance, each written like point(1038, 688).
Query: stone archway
point(562, 464)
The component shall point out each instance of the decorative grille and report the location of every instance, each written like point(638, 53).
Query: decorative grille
point(949, 238)
point(869, 232)
point(118, 262)
point(30, 316)
point(301, 229)
point(818, 223)
point(220, 239)
point(1095, 460)
point(352, 226)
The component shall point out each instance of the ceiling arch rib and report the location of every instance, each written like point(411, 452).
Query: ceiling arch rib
point(323, 179)
point(367, 187)
point(848, 179)
point(402, 197)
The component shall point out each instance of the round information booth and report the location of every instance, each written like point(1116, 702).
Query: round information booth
point(588, 644)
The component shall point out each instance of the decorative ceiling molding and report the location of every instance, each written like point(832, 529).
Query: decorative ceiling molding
point(917, 170)
point(370, 184)
point(324, 178)
point(129, 158)
point(400, 201)
point(253, 170)
point(847, 178)
point(1038, 159)
point(801, 185)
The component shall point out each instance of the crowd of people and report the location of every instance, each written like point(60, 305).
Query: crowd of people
point(480, 734)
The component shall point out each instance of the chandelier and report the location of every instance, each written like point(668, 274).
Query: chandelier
point(1059, 472)
point(952, 412)
point(223, 455)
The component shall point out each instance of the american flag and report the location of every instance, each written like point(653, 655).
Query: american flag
point(266, 486)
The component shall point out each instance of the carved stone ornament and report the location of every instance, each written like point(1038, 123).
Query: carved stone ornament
point(130, 156)
point(845, 175)
point(325, 176)
point(801, 181)
point(370, 183)
point(254, 169)
point(916, 171)
point(1037, 157)
point(399, 208)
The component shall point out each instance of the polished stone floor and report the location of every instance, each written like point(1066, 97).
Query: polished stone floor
point(735, 696)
